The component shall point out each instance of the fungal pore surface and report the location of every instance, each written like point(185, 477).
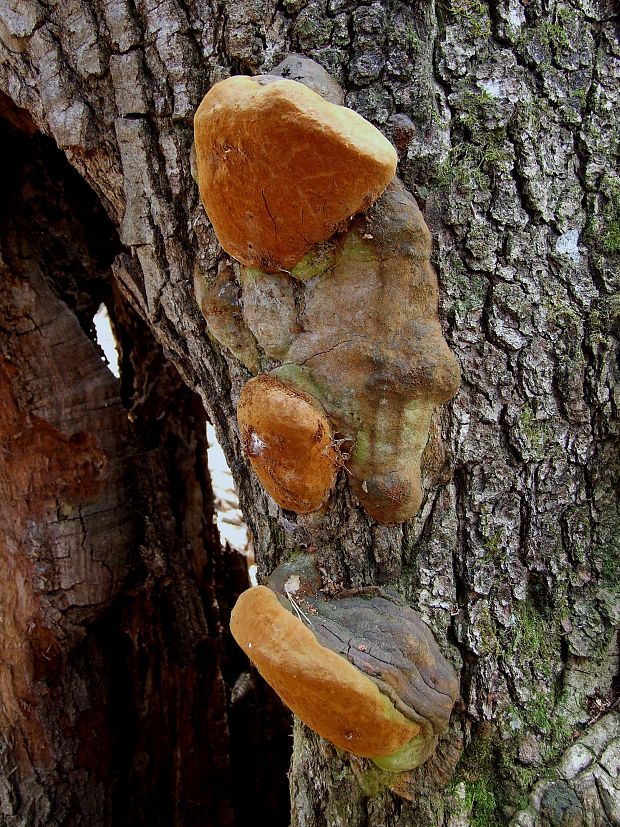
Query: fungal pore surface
point(334, 297)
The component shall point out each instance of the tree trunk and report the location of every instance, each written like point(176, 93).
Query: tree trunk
point(504, 117)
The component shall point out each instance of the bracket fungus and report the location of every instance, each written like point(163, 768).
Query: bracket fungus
point(281, 169)
point(336, 286)
point(363, 670)
point(291, 453)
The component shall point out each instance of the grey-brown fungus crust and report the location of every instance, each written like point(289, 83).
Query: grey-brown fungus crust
point(390, 647)
point(311, 74)
point(371, 349)
point(219, 300)
point(350, 319)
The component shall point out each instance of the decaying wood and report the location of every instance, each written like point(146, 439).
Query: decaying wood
point(504, 117)
point(115, 674)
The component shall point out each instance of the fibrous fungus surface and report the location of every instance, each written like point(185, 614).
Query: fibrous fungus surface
point(348, 308)
point(281, 169)
point(363, 671)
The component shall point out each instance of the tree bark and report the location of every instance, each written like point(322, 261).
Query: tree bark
point(504, 116)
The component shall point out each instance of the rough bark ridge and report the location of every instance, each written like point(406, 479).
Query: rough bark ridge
point(504, 115)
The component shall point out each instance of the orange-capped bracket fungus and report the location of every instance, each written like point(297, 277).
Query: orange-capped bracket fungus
point(287, 438)
point(336, 289)
point(281, 169)
point(364, 671)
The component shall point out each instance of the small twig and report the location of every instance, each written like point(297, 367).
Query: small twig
point(298, 611)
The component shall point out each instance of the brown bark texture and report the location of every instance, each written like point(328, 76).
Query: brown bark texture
point(505, 118)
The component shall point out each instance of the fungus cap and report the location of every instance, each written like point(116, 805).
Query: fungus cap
point(321, 687)
point(287, 438)
point(280, 169)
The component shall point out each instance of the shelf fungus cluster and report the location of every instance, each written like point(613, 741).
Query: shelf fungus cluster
point(362, 670)
point(335, 294)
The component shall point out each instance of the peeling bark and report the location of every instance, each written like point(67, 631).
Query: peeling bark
point(504, 115)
